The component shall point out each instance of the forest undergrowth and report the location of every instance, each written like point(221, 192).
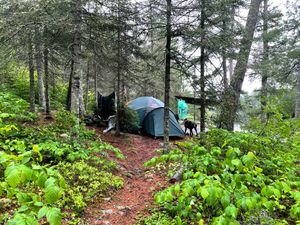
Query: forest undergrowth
point(48, 175)
point(233, 177)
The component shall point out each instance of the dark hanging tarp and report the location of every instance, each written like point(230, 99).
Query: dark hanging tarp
point(151, 115)
point(106, 106)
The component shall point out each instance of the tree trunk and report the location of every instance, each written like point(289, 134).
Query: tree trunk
point(224, 65)
point(76, 88)
point(31, 75)
point(224, 60)
point(232, 94)
point(68, 106)
point(46, 70)
point(95, 84)
point(151, 27)
point(118, 84)
point(202, 68)
point(167, 76)
point(87, 84)
point(39, 63)
point(264, 76)
point(81, 101)
point(53, 86)
point(118, 87)
point(297, 108)
point(230, 69)
point(230, 60)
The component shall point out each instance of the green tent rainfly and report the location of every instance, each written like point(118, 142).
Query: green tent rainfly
point(151, 115)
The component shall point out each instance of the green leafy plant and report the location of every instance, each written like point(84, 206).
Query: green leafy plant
point(227, 178)
point(31, 188)
point(14, 108)
point(129, 120)
point(157, 218)
point(85, 182)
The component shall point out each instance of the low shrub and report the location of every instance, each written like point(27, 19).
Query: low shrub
point(30, 191)
point(129, 120)
point(85, 182)
point(228, 178)
point(13, 108)
point(45, 170)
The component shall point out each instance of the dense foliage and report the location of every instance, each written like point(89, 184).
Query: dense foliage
point(60, 54)
point(234, 178)
point(44, 169)
point(129, 120)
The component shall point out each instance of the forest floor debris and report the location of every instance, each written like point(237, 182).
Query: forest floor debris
point(134, 200)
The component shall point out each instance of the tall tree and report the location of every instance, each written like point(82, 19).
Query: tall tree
point(297, 105)
point(87, 82)
point(39, 67)
point(202, 67)
point(46, 71)
point(68, 102)
point(76, 88)
point(167, 75)
point(212, 32)
point(232, 94)
point(264, 76)
point(31, 75)
point(95, 84)
point(118, 79)
point(119, 67)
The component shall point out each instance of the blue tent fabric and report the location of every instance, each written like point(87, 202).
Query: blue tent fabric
point(143, 105)
point(151, 115)
point(153, 124)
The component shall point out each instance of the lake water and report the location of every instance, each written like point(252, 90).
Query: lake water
point(237, 127)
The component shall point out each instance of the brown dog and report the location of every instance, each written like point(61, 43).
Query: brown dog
point(190, 125)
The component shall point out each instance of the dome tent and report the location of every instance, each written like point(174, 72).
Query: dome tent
point(151, 115)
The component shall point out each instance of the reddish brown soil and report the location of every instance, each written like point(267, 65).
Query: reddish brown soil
point(127, 205)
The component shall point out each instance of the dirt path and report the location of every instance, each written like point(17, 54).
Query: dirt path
point(125, 206)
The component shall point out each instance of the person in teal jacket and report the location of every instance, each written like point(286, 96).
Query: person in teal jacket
point(182, 109)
